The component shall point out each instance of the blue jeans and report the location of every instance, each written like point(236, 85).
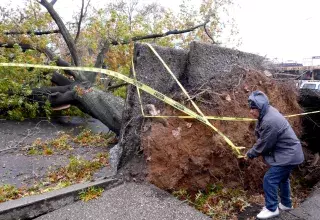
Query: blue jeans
point(277, 177)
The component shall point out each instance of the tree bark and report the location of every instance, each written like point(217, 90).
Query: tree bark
point(103, 106)
point(38, 33)
point(65, 33)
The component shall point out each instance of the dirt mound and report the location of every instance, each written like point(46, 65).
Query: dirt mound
point(183, 153)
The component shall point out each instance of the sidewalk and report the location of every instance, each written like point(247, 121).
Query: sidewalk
point(146, 202)
point(128, 201)
point(309, 209)
point(132, 201)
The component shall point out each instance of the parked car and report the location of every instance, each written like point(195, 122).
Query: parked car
point(310, 84)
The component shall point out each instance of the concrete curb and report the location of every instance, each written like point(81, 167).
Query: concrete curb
point(33, 206)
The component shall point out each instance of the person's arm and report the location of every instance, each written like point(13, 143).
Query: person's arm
point(266, 141)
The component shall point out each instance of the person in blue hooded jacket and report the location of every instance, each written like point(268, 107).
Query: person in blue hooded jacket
point(281, 149)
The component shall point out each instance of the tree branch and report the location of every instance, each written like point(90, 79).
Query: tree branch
point(152, 36)
point(207, 32)
point(46, 51)
point(100, 57)
point(60, 79)
point(53, 2)
point(32, 32)
point(105, 48)
point(79, 23)
point(82, 15)
point(117, 86)
point(65, 33)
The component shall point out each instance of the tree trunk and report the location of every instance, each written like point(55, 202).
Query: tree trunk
point(101, 105)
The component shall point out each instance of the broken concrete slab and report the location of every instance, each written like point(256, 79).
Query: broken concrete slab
point(115, 154)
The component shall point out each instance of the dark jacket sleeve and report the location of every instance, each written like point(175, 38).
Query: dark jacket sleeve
point(266, 141)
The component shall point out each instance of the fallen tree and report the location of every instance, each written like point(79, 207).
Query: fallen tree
point(79, 88)
point(218, 79)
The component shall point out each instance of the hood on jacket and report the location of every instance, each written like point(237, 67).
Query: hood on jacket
point(258, 100)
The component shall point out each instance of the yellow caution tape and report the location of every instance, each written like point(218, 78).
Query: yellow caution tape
point(305, 113)
point(222, 118)
point(141, 86)
point(138, 90)
point(190, 114)
point(217, 118)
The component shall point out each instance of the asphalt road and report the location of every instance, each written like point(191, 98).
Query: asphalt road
point(20, 169)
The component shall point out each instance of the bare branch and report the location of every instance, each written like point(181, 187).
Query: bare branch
point(86, 10)
point(153, 36)
point(207, 32)
point(65, 33)
point(32, 32)
point(130, 9)
point(82, 15)
point(79, 23)
point(117, 86)
point(105, 48)
point(53, 2)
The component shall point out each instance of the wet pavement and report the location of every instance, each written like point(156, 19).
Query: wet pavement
point(132, 201)
point(19, 168)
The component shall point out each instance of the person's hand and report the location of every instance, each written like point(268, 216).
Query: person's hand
point(243, 161)
point(249, 155)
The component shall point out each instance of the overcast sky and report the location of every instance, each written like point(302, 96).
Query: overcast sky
point(283, 29)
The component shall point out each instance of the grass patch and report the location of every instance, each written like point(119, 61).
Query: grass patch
point(8, 192)
point(216, 201)
point(220, 202)
point(90, 193)
point(79, 169)
point(63, 142)
point(34, 151)
point(300, 190)
point(88, 138)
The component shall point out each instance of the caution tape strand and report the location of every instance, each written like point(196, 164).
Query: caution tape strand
point(190, 114)
point(138, 84)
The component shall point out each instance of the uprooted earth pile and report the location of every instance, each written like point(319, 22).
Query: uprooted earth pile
point(184, 153)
